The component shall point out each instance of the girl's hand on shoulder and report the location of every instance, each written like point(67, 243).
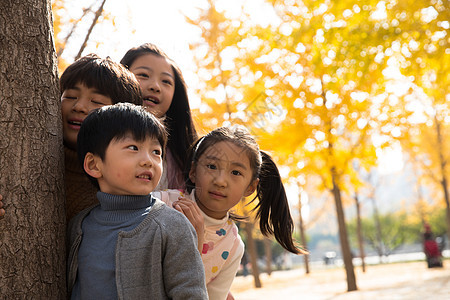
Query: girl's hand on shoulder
point(2, 211)
point(191, 210)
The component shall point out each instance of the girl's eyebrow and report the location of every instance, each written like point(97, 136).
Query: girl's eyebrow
point(151, 70)
point(233, 163)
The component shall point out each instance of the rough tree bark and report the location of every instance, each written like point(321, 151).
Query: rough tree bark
point(32, 233)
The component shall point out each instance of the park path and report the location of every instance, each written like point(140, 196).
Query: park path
point(411, 280)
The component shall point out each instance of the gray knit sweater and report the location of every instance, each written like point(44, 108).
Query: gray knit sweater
point(157, 259)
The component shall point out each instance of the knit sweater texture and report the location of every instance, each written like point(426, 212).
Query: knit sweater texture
point(100, 228)
point(156, 258)
point(80, 192)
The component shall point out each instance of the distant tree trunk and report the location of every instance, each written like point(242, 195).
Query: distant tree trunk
point(443, 166)
point(268, 250)
point(303, 236)
point(379, 246)
point(32, 233)
point(359, 233)
point(446, 197)
point(343, 237)
point(253, 255)
point(336, 192)
point(420, 201)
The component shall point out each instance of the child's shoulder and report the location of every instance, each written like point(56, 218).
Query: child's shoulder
point(170, 195)
point(74, 224)
point(167, 216)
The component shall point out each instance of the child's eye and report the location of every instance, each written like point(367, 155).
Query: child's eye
point(133, 147)
point(235, 172)
point(141, 75)
point(97, 102)
point(157, 152)
point(211, 166)
point(167, 82)
point(69, 97)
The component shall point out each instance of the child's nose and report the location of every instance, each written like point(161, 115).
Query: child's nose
point(154, 85)
point(81, 105)
point(220, 179)
point(146, 159)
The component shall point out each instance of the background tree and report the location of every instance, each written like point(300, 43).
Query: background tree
point(329, 76)
point(437, 220)
point(420, 51)
point(244, 209)
point(358, 230)
point(216, 74)
point(396, 232)
point(428, 148)
point(304, 243)
point(32, 234)
point(219, 106)
point(374, 182)
point(75, 31)
point(312, 74)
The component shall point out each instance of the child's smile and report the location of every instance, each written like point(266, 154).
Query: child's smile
point(146, 176)
point(157, 81)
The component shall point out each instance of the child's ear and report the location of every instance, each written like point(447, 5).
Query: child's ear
point(251, 187)
point(91, 165)
point(192, 173)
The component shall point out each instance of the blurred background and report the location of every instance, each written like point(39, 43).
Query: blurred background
point(350, 97)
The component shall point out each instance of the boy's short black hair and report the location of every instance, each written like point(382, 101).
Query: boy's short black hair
point(109, 78)
point(111, 122)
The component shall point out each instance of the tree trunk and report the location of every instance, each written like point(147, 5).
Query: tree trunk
point(303, 236)
point(420, 201)
point(443, 166)
point(32, 233)
point(268, 250)
point(253, 254)
point(446, 197)
point(343, 237)
point(359, 233)
point(379, 238)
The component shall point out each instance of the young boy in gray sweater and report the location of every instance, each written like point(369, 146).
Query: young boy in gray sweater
point(131, 245)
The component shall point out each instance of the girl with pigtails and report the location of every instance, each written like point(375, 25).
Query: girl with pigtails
point(227, 166)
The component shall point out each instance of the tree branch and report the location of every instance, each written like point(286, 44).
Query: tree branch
point(98, 13)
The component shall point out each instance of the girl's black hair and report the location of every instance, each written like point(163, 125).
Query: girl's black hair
point(178, 119)
point(272, 209)
point(108, 77)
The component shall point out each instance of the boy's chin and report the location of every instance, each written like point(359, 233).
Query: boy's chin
point(144, 192)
